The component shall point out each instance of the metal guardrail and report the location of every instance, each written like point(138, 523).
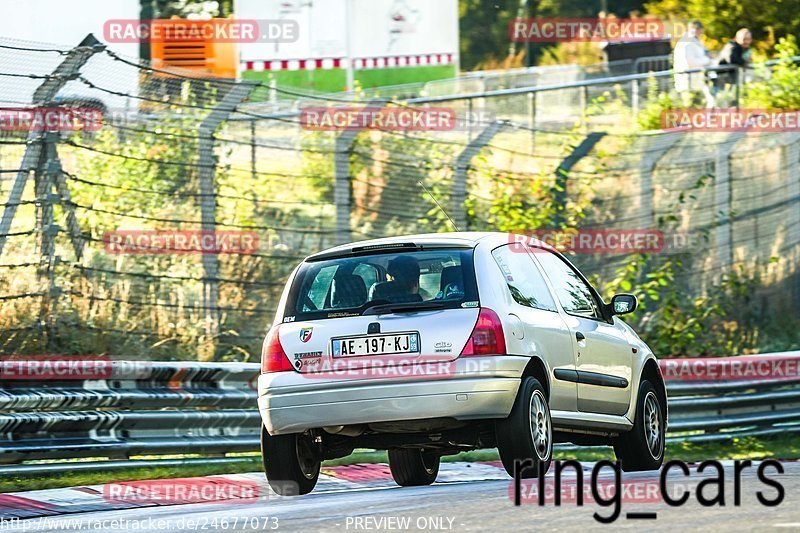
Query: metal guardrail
point(610, 80)
point(655, 67)
point(743, 396)
point(152, 409)
point(135, 408)
point(584, 84)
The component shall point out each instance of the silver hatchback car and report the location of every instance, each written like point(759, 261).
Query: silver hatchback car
point(430, 345)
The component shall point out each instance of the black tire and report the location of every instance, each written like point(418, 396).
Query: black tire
point(413, 467)
point(291, 462)
point(519, 439)
point(642, 448)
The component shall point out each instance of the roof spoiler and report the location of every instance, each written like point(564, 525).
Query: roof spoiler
point(380, 249)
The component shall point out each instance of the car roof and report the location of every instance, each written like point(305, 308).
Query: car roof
point(461, 239)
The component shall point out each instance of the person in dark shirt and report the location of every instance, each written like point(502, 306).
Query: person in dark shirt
point(735, 52)
point(404, 285)
point(404, 270)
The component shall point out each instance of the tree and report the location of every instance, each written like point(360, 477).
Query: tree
point(767, 19)
point(484, 27)
point(182, 8)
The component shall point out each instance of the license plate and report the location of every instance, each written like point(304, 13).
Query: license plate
point(375, 345)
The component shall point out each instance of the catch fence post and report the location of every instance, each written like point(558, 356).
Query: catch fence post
point(559, 191)
point(342, 185)
point(459, 194)
point(66, 71)
point(208, 207)
point(653, 150)
point(723, 200)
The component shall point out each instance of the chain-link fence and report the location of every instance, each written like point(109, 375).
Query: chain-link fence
point(178, 157)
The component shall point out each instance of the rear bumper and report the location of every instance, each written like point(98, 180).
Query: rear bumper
point(477, 387)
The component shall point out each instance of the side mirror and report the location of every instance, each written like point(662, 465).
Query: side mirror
point(622, 304)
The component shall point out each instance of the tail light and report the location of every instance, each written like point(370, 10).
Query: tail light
point(487, 336)
point(273, 358)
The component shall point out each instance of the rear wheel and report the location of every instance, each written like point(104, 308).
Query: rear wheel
point(413, 467)
point(527, 433)
point(291, 462)
point(642, 448)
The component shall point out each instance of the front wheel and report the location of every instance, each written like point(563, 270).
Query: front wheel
point(413, 467)
point(642, 448)
point(527, 433)
point(291, 462)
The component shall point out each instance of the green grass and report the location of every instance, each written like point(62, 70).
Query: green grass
point(53, 481)
point(359, 456)
point(335, 80)
point(782, 447)
point(400, 75)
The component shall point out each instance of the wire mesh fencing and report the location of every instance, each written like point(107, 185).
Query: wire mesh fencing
point(165, 227)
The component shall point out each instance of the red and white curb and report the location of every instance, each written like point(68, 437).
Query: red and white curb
point(53, 502)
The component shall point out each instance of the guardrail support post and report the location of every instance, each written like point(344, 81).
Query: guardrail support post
point(66, 71)
point(459, 194)
point(208, 207)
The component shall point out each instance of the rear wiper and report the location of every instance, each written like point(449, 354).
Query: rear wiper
point(407, 307)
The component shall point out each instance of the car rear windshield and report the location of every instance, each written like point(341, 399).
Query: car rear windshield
point(352, 286)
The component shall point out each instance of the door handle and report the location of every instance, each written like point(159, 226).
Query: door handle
point(580, 336)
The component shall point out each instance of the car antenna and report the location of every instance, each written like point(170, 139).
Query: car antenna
point(424, 188)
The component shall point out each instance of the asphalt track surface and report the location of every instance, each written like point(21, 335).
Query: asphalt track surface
point(466, 498)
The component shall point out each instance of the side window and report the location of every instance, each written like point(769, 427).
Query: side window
point(320, 286)
point(368, 273)
point(573, 294)
point(523, 278)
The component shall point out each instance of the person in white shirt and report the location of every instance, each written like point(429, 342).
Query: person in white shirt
point(690, 54)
